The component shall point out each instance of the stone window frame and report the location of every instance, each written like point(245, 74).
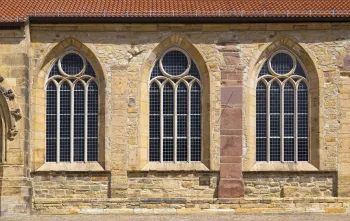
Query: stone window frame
point(296, 60)
point(209, 160)
point(316, 90)
point(38, 110)
point(169, 78)
point(65, 77)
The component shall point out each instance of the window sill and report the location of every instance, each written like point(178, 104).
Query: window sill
point(70, 167)
point(171, 166)
point(282, 166)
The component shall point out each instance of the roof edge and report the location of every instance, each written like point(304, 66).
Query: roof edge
point(185, 19)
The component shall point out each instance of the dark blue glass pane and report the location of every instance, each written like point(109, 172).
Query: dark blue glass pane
point(303, 125)
point(175, 63)
point(54, 71)
point(51, 123)
point(89, 70)
point(299, 71)
point(168, 123)
point(154, 123)
point(275, 122)
point(194, 71)
point(182, 101)
point(282, 63)
point(264, 70)
point(65, 124)
point(79, 121)
point(92, 127)
point(196, 126)
point(156, 71)
point(72, 64)
point(261, 127)
point(288, 122)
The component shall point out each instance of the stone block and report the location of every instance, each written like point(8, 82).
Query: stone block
point(231, 118)
point(231, 95)
point(231, 188)
point(335, 210)
point(231, 170)
point(231, 146)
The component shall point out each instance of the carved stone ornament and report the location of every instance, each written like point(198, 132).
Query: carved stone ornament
point(10, 109)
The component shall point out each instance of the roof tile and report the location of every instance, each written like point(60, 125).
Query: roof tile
point(20, 10)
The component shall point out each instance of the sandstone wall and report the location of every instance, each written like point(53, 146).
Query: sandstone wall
point(14, 129)
point(71, 185)
point(172, 184)
point(231, 54)
point(294, 185)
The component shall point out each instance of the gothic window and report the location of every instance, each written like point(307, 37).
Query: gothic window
point(175, 109)
point(282, 113)
point(71, 111)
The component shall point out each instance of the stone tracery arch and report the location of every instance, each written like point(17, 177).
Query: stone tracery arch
point(208, 88)
point(316, 90)
point(47, 61)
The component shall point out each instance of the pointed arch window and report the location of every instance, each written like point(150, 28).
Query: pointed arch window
point(175, 133)
point(282, 110)
point(72, 110)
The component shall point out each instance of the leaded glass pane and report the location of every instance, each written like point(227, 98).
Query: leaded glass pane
point(51, 122)
point(196, 126)
point(275, 132)
point(299, 71)
point(261, 126)
point(72, 64)
point(168, 123)
point(89, 70)
point(65, 124)
point(194, 71)
point(79, 121)
point(303, 126)
point(155, 71)
point(92, 122)
point(282, 63)
point(54, 70)
point(264, 70)
point(154, 123)
point(288, 122)
point(175, 63)
point(182, 122)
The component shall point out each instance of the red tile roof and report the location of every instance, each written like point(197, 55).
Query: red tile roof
point(20, 10)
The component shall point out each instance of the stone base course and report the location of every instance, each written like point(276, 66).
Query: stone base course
point(188, 206)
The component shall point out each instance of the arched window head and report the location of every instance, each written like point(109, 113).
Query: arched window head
point(72, 110)
point(175, 131)
point(282, 112)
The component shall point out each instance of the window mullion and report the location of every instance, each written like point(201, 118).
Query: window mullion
point(85, 121)
point(175, 124)
point(282, 123)
point(72, 124)
point(189, 123)
point(296, 124)
point(161, 123)
point(58, 124)
point(268, 124)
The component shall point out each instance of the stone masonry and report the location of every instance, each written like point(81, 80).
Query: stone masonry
point(228, 179)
